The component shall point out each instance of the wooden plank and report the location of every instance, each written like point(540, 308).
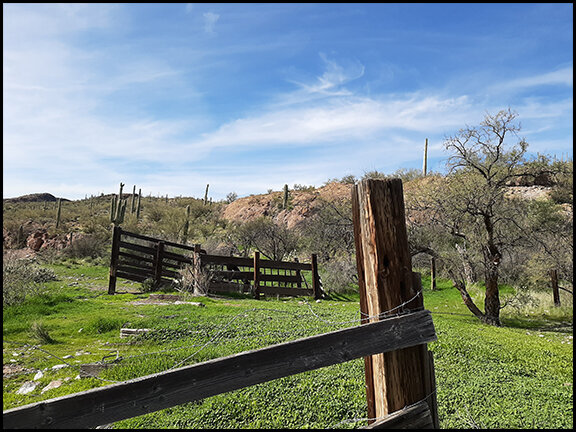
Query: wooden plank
point(368, 375)
point(230, 275)
point(256, 275)
point(146, 272)
point(135, 263)
point(286, 291)
point(416, 416)
point(397, 378)
point(315, 278)
point(217, 259)
point(279, 278)
point(284, 265)
point(158, 263)
point(178, 257)
point(132, 257)
point(114, 259)
point(132, 277)
point(155, 240)
point(139, 248)
point(189, 383)
point(228, 287)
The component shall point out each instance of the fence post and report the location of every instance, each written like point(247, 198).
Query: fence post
point(197, 271)
point(555, 291)
point(114, 259)
point(257, 275)
point(315, 278)
point(396, 379)
point(298, 275)
point(158, 264)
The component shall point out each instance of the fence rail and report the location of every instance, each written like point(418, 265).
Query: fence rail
point(151, 393)
point(138, 257)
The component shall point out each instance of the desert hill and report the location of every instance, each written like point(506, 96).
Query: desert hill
point(36, 197)
point(302, 204)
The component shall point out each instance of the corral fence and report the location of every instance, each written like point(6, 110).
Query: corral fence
point(392, 338)
point(139, 258)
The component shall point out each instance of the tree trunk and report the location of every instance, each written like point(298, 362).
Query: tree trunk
point(461, 286)
point(492, 299)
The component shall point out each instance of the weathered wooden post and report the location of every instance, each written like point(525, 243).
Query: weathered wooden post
point(158, 264)
point(315, 278)
point(555, 291)
point(387, 285)
point(298, 274)
point(256, 275)
point(114, 259)
point(197, 271)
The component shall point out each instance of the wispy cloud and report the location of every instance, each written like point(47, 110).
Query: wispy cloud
point(335, 75)
point(562, 78)
point(210, 20)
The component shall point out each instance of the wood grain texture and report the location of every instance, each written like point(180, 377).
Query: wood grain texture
point(386, 282)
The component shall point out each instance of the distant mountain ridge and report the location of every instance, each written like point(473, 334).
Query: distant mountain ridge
point(36, 197)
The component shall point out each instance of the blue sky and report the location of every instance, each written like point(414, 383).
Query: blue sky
point(249, 97)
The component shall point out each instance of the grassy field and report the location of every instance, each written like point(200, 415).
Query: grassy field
point(516, 376)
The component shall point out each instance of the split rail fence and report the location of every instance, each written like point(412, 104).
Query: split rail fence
point(138, 258)
point(399, 373)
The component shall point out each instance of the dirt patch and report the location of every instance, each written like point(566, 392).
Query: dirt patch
point(163, 300)
point(10, 369)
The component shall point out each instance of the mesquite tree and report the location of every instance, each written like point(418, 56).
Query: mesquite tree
point(473, 209)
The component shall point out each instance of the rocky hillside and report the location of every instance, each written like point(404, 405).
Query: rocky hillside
point(302, 204)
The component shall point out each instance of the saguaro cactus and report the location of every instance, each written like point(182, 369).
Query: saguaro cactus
point(425, 165)
point(138, 205)
point(117, 208)
point(206, 194)
point(133, 202)
point(285, 201)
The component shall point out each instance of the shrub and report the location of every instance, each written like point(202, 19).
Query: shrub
point(19, 280)
point(148, 285)
point(104, 325)
point(89, 246)
point(339, 275)
point(191, 282)
point(40, 333)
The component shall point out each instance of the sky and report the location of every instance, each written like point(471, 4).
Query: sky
point(250, 97)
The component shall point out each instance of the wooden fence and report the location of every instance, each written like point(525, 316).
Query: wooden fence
point(399, 370)
point(138, 258)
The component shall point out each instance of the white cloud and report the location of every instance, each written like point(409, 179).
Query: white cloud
point(210, 19)
point(560, 77)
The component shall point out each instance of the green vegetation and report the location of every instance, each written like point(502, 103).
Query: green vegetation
point(516, 376)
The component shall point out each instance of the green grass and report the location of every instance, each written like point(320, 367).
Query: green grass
point(515, 376)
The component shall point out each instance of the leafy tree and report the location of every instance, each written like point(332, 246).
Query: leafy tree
point(472, 208)
point(274, 241)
